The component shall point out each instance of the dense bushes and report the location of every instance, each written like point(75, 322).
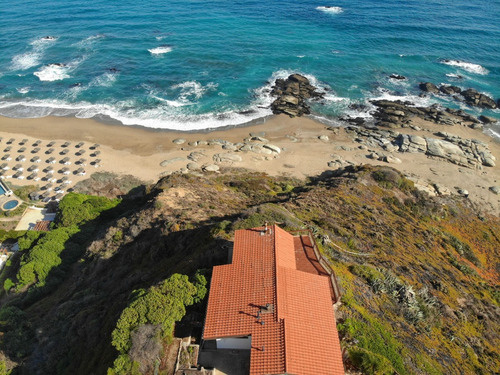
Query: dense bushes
point(77, 208)
point(160, 306)
point(43, 250)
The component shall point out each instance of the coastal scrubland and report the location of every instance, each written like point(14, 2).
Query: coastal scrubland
point(419, 274)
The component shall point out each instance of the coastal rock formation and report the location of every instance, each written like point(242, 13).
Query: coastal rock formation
point(468, 153)
point(292, 94)
point(398, 114)
point(475, 98)
point(470, 96)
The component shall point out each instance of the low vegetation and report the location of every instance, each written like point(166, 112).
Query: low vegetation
point(420, 275)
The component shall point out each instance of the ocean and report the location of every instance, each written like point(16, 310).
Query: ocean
point(202, 64)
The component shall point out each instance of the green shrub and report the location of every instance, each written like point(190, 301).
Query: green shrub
point(8, 284)
point(369, 362)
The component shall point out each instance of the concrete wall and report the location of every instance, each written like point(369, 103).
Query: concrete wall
point(235, 343)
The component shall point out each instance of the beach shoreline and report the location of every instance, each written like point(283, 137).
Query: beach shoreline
point(306, 148)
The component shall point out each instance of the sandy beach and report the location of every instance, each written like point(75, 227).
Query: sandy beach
point(306, 148)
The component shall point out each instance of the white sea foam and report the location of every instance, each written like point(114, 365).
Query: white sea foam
point(104, 80)
point(192, 90)
point(88, 42)
point(330, 9)
point(453, 75)
point(53, 72)
point(160, 50)
point(29, 59)
point(23, 90)
point(470, 67)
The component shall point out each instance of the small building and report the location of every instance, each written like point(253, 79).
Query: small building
point(275, 300)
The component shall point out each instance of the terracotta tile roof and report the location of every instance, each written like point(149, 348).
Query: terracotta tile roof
point(42, 225)
point(297, 333)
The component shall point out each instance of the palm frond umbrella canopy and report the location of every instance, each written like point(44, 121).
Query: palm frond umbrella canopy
point(23, 141)
point(7, 149)
point(51, 144)
point(64, 152)
point(37, 143)
point(51, 160)
point(18, 167)
point(35, 150)
point(33, 168)
point(94, 146)
point(22, 149)
point(66, 144)
point(6, 156)
point(49, 151)
point(80, 144)
point(11, 140)
point(36, 159)
point(21, 158)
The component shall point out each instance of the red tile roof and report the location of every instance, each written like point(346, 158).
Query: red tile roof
point(42, 225)
point(299, 334)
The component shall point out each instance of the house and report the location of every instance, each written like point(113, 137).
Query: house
point(275, 300)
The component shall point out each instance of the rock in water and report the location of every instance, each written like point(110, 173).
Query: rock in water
point(475, 98)
point(429, 87)
point(291, 95)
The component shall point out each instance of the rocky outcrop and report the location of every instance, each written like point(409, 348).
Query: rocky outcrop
point(292, 94)
point(475, 98)
point(429, 87)
point(468, 153)
point(398, 114)
point(470, 96)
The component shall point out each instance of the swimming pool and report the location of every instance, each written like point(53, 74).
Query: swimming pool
point(10, 205)
point(2, 189)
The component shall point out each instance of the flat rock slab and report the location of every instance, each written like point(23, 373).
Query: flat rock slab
point(164, 163)
point(179, 141)
point(210, 168)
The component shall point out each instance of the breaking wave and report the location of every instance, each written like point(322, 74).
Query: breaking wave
point(330, 9)
point(470, 67)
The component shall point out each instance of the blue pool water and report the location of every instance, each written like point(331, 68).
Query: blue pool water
point(10, 205)
point(193, 64)
point(2, 190)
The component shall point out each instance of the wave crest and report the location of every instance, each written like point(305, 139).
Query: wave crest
point(470, 67)
point(330, 9)
point(160, 50)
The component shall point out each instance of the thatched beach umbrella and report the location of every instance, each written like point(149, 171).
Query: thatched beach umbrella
point(23, 141)
point(49, 151)
point(6, 157)
point(80, 144)
point(81, 161)
point(80, 153)
point(51, 160)
point(18, 167)
point(36, 159)
point(22, 149)
point(11, 140)
point(94, 146)
point(33, 168)
point(66, 161)
point(96, 153)
point(65, 144)
point(64, 152)
point(35, 150)
point(37, 143)
point(7, 149)
point(32, 176)
point(51, 143)
point(4, 167)
point(21, 158)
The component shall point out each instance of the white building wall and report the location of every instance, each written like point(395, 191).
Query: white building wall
point(241, 343)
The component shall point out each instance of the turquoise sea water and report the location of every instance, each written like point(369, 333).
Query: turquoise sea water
point(198, 64)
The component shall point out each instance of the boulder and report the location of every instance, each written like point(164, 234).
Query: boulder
point(226, 158)
point(475, 98)
point(273, 148)
point(450, 90)
point(487, 120)
point(164, 163)
point(179, 141)
point(429, 87)
point(291, 95)
point(495, 189)
point(443, 149)
point(210, 168)
point(397, 76)
point(391, 159)
point(323, 138)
